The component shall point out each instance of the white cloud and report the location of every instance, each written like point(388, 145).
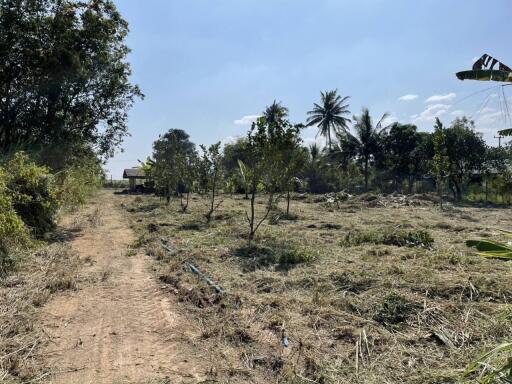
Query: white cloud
point(247, 120)
point(307, 141)
point(458, 112)
point(488, 118)
point(430, 113)
point(487, 110)
point(438, 98)
point(408, 97)
point(229, 140)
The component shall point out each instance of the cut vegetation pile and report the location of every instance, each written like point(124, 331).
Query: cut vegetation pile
point(336, 294)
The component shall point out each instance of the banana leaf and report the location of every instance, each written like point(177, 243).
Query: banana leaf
point(491, 249)
point(505, 232)
point(503, 372)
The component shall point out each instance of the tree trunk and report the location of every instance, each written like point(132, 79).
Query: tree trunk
point(251, 218)
point(440, 192)
point(366, 174)
point(212, 201)
point(184, 206)
point(486, 190)
point(410, 185)
point(288, 203)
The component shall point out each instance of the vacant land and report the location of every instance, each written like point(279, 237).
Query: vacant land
point(368, 290)
point(364, 291)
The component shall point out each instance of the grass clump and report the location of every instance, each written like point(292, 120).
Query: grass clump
point(394, 310)
point(399, 238)
point(275, 253)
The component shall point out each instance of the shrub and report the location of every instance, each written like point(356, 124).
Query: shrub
point(13, 233)
point(78, 182)
point(32, 191)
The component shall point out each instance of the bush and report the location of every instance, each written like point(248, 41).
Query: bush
point(32, 191)
point(79, 182)
point(13, 233)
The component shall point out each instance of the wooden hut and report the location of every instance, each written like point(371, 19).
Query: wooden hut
point(134, 175)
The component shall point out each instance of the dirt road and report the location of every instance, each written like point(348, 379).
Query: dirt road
point(118, 327)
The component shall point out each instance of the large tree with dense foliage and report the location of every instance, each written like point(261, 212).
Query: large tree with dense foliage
point(466, 151)
point(329, 115)
point(402, 152)
point(64, 78)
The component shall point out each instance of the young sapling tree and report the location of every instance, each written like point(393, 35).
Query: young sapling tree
point(268, 145)
point(440, 158)
point(210, 171)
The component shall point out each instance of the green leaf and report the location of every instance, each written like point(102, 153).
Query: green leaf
point(491, 249)
point(493, 354)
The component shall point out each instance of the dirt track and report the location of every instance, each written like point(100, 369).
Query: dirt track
point(118, 327)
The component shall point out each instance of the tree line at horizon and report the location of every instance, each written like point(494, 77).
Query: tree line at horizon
point(361, 154)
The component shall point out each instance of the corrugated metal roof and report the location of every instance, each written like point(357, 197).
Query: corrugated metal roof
point(134, 172)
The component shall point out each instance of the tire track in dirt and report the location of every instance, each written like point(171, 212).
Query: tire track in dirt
point(118, 327)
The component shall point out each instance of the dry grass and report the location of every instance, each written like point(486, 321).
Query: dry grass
point(22, 294)
point(357, 312)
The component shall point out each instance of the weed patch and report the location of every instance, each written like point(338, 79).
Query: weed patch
point(394, 310)
point(398, 238)
point(274, 253)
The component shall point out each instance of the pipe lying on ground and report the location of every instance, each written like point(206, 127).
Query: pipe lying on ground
point(196, 270)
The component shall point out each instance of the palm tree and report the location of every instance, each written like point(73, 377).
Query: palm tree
point(275, 112)
point(314, 151)
point(366, 141)
point(328, 117)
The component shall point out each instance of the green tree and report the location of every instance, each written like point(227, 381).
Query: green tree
point(466, 151)
point(401, 152)
point(440, 160)
point(64, 78)
point(275, 112)
point(267, 148)
point(174, 156)
point(294, 160)
point(233, 153)
point(210, 170)
point(496, 168)
point(365, 144)
point(329, 116)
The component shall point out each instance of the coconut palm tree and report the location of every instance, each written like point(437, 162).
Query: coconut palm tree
point(365, 143)
point(275, 112)
point(329, 117)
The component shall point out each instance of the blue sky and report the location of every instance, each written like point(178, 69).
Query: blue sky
point(207, 66)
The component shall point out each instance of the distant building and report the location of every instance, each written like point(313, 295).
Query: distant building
point(134, 175)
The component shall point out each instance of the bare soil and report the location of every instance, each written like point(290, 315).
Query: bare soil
point(118, 326)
